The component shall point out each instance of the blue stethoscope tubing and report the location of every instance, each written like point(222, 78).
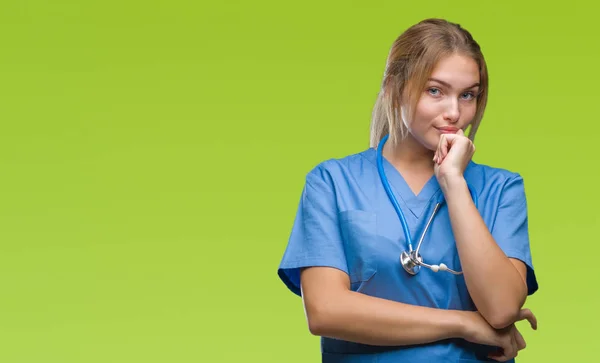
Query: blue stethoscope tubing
point(388, 190)
point(392, 198)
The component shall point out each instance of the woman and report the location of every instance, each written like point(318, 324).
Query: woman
point(371, 288)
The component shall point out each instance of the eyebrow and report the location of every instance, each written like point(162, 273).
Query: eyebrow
point(448, 85)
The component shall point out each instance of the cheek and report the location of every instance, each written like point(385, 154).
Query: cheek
point(427, 110)
point(469, 113)
point(425, 113)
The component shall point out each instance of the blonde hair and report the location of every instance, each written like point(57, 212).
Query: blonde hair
point(410, 62)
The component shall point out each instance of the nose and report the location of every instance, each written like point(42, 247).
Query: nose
point(452, 111)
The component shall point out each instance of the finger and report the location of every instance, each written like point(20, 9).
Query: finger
point(527, 314)
point(446, 148)
point(444, 144)
point(510, 348)
point(449, 141)
point(440, 142)
point(514, 346)
point(437, 148)
point(521, 344)
point(438, 153)
point(498, 356)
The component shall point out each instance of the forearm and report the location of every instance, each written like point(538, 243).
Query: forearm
point(370, 320)
point(495, 285)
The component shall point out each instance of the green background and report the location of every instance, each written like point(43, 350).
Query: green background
point(152, 156)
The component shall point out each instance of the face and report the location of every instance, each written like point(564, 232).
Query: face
point(448, 102)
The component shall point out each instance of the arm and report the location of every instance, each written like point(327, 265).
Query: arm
point(495, 282)
point(333, 310)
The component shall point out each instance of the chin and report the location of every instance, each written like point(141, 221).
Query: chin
point(428, 140)
point(432, 142)
point(431, 146)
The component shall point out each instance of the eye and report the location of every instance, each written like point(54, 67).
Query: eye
point(468, 96)
point(433, 91)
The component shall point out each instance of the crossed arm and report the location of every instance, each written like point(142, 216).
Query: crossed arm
point(496, 283)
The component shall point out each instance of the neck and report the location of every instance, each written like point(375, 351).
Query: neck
point(410, 155)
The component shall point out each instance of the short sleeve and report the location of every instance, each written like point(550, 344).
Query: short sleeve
point(511, 229)
point(315, 238)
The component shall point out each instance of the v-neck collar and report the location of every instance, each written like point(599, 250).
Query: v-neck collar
point(416, 203)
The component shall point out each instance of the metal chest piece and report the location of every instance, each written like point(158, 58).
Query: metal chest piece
point(411, 261)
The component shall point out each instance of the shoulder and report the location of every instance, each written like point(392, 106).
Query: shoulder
point(497, 186)
point(341, 168)
point(487, 176)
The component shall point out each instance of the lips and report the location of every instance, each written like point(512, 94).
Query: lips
point(448, 129)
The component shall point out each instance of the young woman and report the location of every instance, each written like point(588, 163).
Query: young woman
point(409, 251)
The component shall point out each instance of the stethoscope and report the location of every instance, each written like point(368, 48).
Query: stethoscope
point(411, 260)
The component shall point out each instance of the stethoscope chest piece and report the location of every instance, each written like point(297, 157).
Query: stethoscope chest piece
point(411, 262)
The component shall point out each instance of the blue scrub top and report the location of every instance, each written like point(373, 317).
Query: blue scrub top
point(345, 220)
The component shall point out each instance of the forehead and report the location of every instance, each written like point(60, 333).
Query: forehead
point(458, 70)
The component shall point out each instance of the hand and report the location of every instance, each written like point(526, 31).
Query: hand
point(509, 340)
point(517, 343)
point(453, 154)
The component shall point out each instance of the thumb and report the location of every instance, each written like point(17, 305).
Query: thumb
point(527, 314)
